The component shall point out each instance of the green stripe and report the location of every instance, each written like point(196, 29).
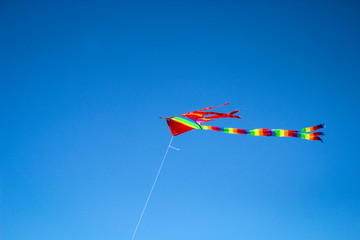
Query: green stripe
point(186, 122)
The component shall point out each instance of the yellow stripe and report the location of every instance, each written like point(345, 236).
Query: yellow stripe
point(281, 133)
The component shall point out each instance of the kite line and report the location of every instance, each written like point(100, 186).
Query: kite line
point(152, 188)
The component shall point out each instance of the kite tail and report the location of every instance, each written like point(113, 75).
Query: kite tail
point(314, 128)
point(304, 133)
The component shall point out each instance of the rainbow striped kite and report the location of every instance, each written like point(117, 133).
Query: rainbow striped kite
point(194, 120)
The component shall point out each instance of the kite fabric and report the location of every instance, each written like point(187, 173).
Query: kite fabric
point(194, 120)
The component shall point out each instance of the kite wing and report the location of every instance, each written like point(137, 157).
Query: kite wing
point(193, 120)
point(179, 125)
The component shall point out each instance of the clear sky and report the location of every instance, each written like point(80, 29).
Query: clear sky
point(83, 84)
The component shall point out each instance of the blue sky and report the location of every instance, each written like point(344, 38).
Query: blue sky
point(83, 84)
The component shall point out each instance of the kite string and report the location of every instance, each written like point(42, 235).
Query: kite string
point(152, 188)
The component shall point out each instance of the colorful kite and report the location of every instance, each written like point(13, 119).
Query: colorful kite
point(194, 120)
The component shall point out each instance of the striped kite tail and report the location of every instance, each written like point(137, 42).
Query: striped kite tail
point(306, 133)
point(309, 133)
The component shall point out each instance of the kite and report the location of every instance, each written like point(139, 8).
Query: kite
point(194, 120)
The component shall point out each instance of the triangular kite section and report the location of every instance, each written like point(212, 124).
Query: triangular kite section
point(177, 128)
